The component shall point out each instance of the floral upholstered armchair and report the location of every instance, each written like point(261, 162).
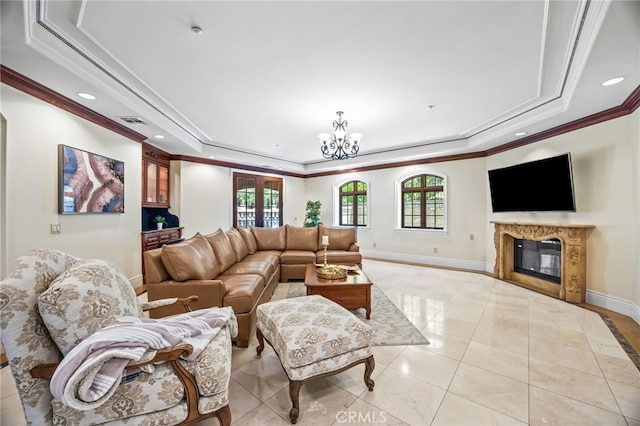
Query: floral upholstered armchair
point(52, 302)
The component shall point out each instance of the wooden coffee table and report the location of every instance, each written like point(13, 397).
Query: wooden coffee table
point(352, 292)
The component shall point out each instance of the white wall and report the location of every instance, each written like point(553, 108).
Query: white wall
point(33, 131)
point(466, 214)
point(605, 167)
point(206, 202)
point(636, 293)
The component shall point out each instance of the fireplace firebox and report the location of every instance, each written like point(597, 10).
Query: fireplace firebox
point(539, 259)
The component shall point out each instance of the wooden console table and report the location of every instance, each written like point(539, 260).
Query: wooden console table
point(573, 261)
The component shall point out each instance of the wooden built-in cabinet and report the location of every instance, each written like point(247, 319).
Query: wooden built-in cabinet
point(155, 177)
point(154, 239)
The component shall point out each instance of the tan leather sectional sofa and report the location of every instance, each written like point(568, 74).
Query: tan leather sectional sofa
point(241, 267)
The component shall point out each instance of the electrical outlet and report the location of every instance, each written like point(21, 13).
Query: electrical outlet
point(472, 237)
point(435, 249)
point(55, 228)
point(374, 245)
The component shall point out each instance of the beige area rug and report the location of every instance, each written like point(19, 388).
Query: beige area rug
point(390, 326)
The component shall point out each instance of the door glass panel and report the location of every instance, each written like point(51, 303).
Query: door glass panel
point(152, 182)
point(246, 199)
point(271, 211)
point(163, 184)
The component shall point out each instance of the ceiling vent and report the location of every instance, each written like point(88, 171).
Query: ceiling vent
point(132, 120)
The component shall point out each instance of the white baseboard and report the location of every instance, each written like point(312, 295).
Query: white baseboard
point(611, 303)
point(614, 304)
point(425, 260)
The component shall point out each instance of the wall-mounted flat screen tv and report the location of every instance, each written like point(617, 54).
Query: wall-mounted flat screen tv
point(535, 186)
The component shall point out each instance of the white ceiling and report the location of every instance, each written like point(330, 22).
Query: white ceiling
point(266, 77)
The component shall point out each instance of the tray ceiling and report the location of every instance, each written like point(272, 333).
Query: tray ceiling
point(418, 78)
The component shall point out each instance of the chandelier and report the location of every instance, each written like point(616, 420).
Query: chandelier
point(339, 146)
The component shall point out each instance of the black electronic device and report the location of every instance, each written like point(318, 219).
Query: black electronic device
point(535, 186)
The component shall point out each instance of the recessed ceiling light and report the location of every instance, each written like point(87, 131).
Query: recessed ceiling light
point(86, 95)
point(158, 136)
point(196, 30)
point(613, 81)
point(520, 133)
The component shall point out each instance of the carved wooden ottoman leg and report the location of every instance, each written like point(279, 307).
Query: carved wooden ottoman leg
point(294, 394)
point(260, 337)
point(369, 365)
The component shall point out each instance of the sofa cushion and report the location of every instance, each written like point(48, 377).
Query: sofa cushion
point(272, 257)
point(297, 257)
point(89, 295)
point(339, 238)
point(222, 248)
point(270, 238)
point(264, 269)
point(243, 291)
point(299, 238)
point(238, 244)
point(249, 239)
point(192, 259)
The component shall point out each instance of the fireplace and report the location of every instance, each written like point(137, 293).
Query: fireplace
point(552, 259)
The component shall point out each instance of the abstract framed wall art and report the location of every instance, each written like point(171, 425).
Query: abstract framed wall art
point(89, 183)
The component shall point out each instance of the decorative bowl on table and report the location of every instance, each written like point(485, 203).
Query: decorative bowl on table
point(331, 272)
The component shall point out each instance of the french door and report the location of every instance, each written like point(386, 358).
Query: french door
point(257, 201)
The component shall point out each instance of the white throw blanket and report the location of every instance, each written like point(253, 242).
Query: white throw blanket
point(91, 372)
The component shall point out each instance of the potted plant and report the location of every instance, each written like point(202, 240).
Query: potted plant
point(312, 216)
point(160, 220)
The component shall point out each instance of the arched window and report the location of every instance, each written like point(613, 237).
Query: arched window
point(423, 202)
point(353, 203)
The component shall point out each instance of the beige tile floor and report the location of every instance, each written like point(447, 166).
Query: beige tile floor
point(499, 354)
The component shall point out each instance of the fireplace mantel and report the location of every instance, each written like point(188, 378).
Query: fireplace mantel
point(573, 238)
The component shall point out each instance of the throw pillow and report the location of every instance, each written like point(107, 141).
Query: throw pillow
point(222, 248)
point(300, 238)
point(89, 295)
point(192, 259)
point(249, 240)
point(339, 238)
point(237, 242)
point(270, 238)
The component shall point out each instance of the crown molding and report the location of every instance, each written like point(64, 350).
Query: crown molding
point(236, 166)
point(25, 84)
point(630, 104)
point(35, 89)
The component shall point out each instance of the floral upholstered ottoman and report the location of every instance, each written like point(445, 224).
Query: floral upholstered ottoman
point(314, 337)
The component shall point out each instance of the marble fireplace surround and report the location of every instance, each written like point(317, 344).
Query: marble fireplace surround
point(573, 260)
